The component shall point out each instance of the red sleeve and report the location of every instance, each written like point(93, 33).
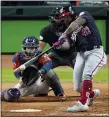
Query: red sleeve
point(15, 61)
point(45, 58)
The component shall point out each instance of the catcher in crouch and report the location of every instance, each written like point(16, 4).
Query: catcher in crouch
point(37, 78)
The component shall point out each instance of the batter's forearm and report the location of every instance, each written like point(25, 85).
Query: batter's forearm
point(75, 25)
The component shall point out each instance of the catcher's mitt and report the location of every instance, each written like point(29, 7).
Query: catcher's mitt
point(30, 75)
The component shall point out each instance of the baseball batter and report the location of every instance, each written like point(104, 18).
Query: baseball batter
point(35, 79)
point(90, 57)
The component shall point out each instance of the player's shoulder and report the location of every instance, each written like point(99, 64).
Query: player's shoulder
point(46, 32)
point(46, 29)
point(84, 13)
point(17, 56)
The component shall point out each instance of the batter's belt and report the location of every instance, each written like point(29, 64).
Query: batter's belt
point(89, 48)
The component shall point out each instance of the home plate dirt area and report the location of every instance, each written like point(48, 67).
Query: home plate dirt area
point(50, 105)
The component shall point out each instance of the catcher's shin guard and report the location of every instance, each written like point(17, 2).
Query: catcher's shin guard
point(53, 82)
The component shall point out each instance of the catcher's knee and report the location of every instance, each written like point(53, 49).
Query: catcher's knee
point(53, 82)
point(10, 95)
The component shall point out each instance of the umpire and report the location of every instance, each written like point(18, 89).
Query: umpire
point(49, 35)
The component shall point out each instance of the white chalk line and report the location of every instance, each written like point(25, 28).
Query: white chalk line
point(26, 110)
point(100, 114)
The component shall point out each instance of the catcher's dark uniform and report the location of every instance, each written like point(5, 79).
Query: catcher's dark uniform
point(59, 57)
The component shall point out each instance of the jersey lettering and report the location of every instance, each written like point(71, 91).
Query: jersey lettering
point(74, 34)
point(86, 31)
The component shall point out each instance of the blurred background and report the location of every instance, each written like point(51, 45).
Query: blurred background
point(22, 18)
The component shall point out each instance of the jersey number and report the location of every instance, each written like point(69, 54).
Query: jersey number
point(86, 31)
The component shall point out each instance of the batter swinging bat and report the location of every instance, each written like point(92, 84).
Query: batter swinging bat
point(28, 63)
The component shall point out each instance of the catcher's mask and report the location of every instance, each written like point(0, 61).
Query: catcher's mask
point(30, 46)
point(57, 22)
point(67, 15)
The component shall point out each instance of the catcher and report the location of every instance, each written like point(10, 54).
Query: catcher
point(37, 78)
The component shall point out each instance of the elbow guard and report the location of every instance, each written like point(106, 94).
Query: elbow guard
point(46, 67)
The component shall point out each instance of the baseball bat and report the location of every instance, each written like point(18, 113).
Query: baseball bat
point(31, 61)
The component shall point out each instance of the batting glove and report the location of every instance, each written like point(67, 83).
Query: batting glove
point(57, 45)
point(62, 38)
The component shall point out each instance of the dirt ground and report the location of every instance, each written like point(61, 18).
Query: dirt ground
point(50, 105)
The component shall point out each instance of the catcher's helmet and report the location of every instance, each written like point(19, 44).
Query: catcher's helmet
point(30, 46)
point(55, 20)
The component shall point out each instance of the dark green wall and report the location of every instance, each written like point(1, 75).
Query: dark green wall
point(44, 11)
point(13, 32)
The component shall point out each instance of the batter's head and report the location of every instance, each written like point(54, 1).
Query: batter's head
point(30, 46)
